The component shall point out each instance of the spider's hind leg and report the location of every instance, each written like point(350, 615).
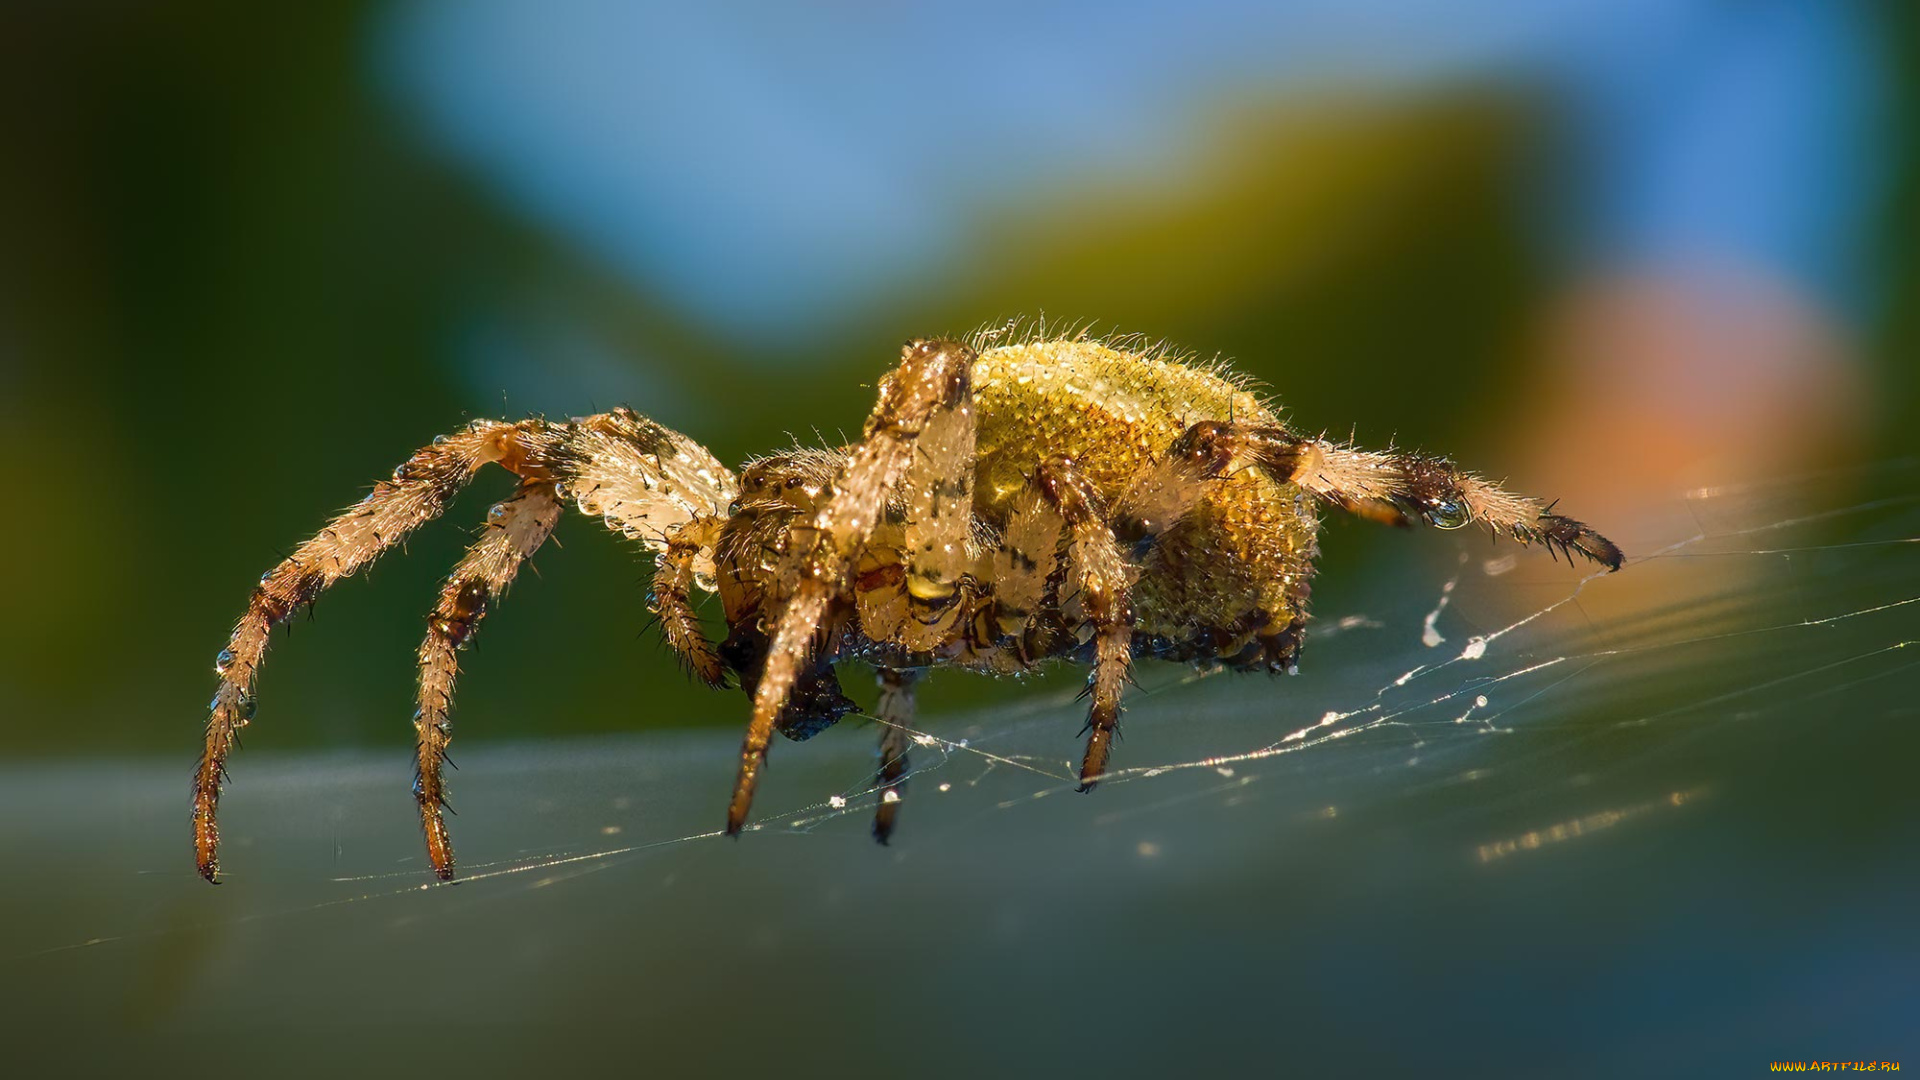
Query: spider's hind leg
point(1105, 583)
point(515, 529)
point(1395, 488)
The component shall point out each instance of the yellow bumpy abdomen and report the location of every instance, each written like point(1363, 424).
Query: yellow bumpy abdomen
point(1113, 412)
point(1110, 411)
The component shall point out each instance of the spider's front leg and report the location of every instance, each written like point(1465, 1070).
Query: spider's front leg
point(673, 603)
point(419, 491)
point(646, 481)
point(515, 529)
point(932, 379)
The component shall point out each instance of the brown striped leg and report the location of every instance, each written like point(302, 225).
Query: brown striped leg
point(645, 480)
point(672, 600)
point(1396, 488)
point(419, 492)
point(515, 530)
point(1104, 582)
point(938, 492)
point(933, 377)
point(895, 713)
point(1025, 564)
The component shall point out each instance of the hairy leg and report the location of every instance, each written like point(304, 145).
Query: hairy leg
point(420, 490)
point(938, 492)
point(912, 582)
point(515, 529)
point(1104, 582)
point(895, 713)
point(1398, 488)
point(673, 603)
point(1027, 575)
point(645, 479)
point(933, 377)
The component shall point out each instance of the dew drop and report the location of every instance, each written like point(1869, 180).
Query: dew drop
point(439, 440)
point(223, 662)
point(497, 513)
point(838, 802)
point(1445, 514)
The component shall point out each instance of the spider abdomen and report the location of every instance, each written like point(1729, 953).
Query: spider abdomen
point(1112, 412)
point(1238, 563)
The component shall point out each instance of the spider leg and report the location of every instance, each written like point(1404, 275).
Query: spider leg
point(938, 494)
point(1024, 567)
point(420, 490)
point(895, 713)
point(655, 485)
point(645, 480)
point(673, 603)
point(515, 529)
point(1396, 488)
point(933, 377)
point(1105, 583)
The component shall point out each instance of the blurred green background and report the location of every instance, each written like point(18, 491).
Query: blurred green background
point(240, 285)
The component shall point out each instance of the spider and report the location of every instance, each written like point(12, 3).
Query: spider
point(1005, 505)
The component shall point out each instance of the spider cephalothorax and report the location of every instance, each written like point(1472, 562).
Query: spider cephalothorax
point(1062, 499)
